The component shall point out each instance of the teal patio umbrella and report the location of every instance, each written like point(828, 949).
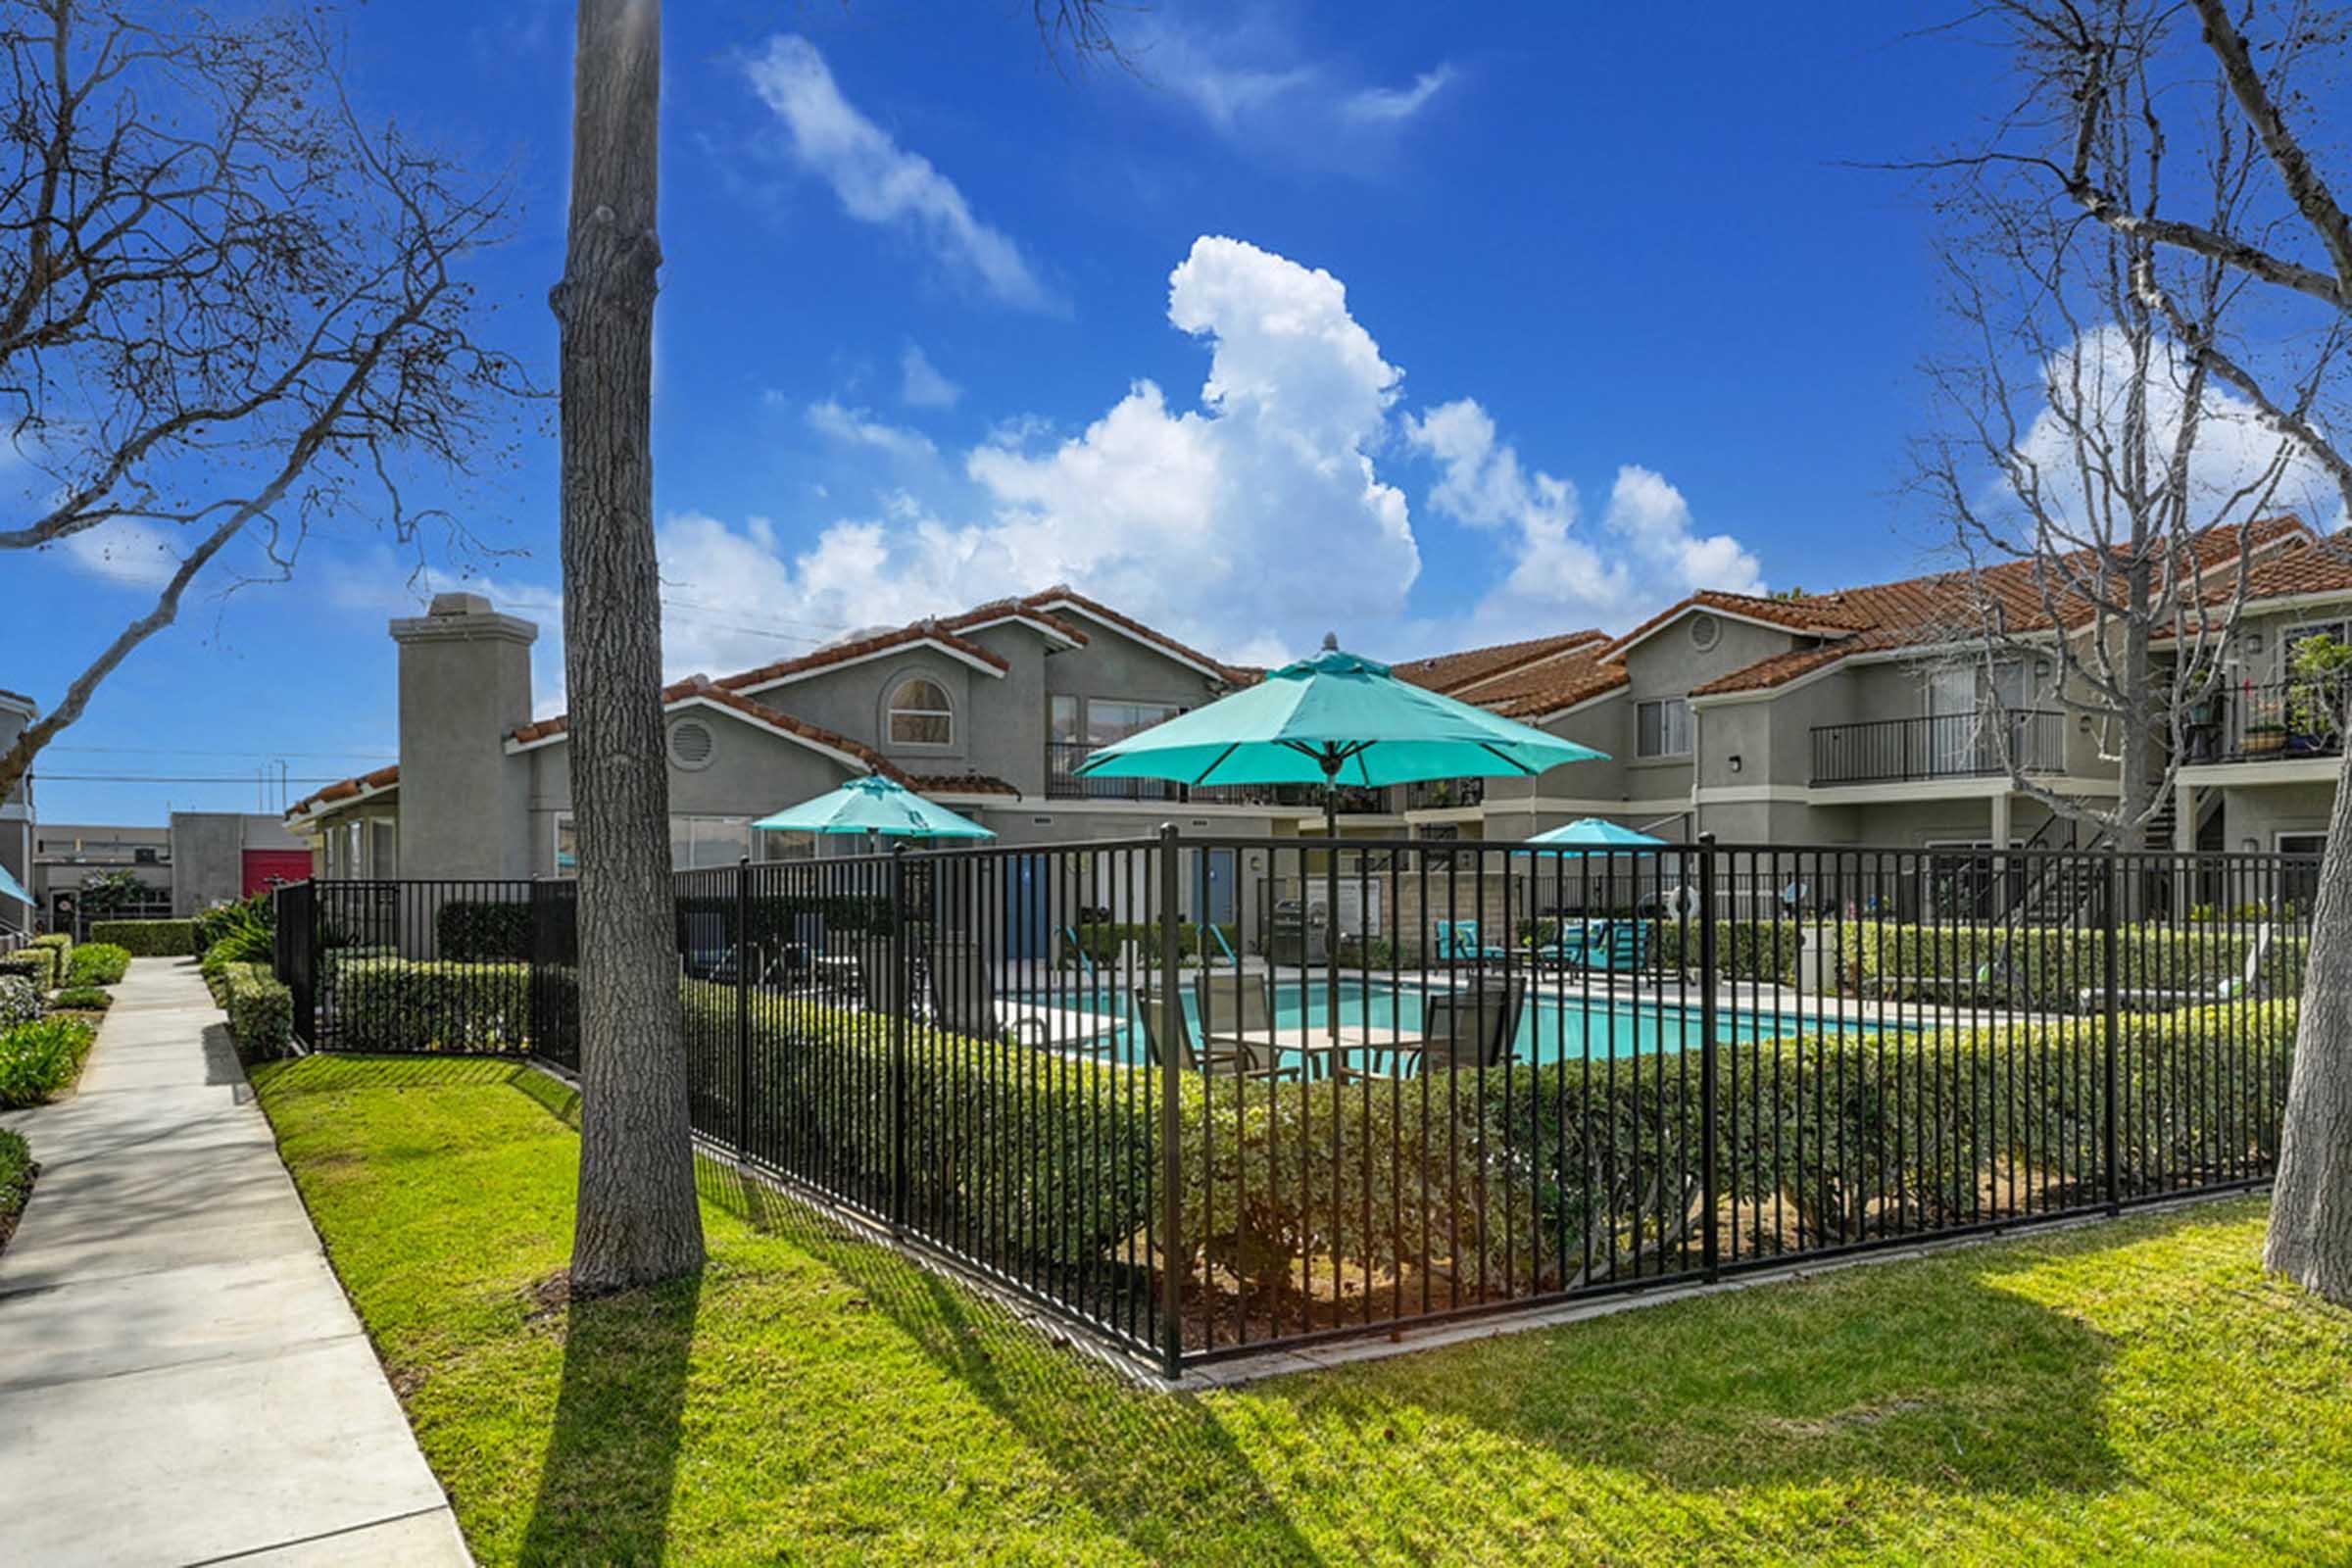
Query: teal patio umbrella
point(1594, 833)
point(873, 806)
point(1334, 719)
point(11, 888)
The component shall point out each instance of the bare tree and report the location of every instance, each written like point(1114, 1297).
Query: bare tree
point(228, 310)
point(2263, 71)
point(2100, 485)
point(637, 1218)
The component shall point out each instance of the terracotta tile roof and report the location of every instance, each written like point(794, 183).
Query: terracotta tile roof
point(1814, 615)
point(345, 789)
point(1944, 606)
point(960, 784)
point(1064, 594)
point(1015, 609)
point(1451, 672)
point(1551, 684)
point(708, 690)
point(921, 631)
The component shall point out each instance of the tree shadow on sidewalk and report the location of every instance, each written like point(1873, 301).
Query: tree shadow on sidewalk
point(611, 1465)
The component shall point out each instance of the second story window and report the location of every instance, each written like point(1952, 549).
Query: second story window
point(919, 715)
point(1107, 720)
point(1662, 727)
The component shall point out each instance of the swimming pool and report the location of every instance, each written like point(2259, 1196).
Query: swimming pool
point(1554, 1026)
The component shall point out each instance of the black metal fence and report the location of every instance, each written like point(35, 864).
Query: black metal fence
point(1201, 1095)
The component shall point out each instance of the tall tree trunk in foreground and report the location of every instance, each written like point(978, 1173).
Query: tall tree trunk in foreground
point(2311, 1206)
point(638, 1219)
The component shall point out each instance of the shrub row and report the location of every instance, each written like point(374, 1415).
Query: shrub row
point(62, 941)
point(39, 965)
point(148, 938)
point(475, 931)
point(260, 1009)
point(98, 963)
point(401, 1005)
point(82, 998)
point(37, 1059)
point(1520, 1178)
point(15, 1178)
point(1103, 941)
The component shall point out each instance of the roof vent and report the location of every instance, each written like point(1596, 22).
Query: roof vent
point(1704, 630)
point(692, 745)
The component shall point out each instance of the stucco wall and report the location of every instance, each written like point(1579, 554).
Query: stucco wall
point(2262, 811)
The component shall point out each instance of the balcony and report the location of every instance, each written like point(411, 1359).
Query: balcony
point(2278, 722)
point(1898, 751)
point(1445, 794)
point(1062, 783)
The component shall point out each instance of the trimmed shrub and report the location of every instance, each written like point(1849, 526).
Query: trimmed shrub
point(15, 1178)
point(401, 1005)
point(2054, 968)
point(98, 963)
point(260, 1009)
point(62, 941)
point(20, 1000)
point(82, 998)
point(35, 964)
point(38, 1060)
point(148, 939)
point(478, 930)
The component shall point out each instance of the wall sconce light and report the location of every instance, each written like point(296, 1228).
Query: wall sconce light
point(2252, 846)
point(2253, 642)
point(1735, 764)
point(2083, 723)
point(2041, 669)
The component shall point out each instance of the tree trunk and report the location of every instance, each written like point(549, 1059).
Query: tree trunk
point(2310, 1204)
point(638, 1219)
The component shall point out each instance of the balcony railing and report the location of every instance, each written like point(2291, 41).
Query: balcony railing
point(1440, 794)
point(2264, 723)
point(1893, 751)
point(1062, 783)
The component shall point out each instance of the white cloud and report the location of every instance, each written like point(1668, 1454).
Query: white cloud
point(128, 552)
point(920, 384)
point(1646, 553)
point(1389, 105)
point(857, 427)
point(880, 182)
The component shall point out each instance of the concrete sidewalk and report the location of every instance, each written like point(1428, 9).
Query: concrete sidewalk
point(181, 1379)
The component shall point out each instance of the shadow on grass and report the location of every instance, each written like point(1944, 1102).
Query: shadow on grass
point(1162, 1470)
point(611, 1466)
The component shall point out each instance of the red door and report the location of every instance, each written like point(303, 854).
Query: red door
point(267, 868)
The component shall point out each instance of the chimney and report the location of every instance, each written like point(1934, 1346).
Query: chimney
point(465, 685)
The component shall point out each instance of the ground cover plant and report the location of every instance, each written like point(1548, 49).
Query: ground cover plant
point(2131, 1391)
point(42, 1059)
point(16, 1180)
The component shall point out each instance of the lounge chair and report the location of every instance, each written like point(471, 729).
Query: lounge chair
point(1624, 946)
point(1461, 1031)
point(1213, 1056)
point(1456, 941)
point(2246, 984)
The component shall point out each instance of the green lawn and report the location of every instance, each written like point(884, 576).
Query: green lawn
point(2121, 1392)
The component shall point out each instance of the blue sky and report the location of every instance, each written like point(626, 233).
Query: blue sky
point(1327, 315)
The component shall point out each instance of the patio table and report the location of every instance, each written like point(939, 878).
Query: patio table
point(1320, 1045)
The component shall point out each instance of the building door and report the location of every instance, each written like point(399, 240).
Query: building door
point(1213, 886)
point(1951, 720)
point(1027, 911)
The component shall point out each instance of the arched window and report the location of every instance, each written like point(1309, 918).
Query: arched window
point(919, 715)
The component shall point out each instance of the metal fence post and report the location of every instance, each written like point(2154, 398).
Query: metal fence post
point(1708, 1108)
point(1171, 1124)
point(743, 1007)
point(900, 960)
point(2110, 941)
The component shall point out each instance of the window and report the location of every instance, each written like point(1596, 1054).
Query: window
point(699, 843)
point(567, 849)
point(1062, 719)
point(919, 715)
point(1108, 722)
point(1662, 728)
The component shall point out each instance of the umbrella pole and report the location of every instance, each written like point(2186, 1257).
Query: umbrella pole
point(1331, 904)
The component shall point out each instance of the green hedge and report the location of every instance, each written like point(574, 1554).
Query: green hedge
point(261, 1009)
point(1101, 941)
point(36, 965)
point(148, 939)
point(41, 1059)
point(82, 998)
point(402, 1004)
point(477, 931)
point(61, 941)
point(98, 963)
point(15, 1178)
point(2050, 968)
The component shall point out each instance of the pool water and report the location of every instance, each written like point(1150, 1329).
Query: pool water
point(1552, 1027)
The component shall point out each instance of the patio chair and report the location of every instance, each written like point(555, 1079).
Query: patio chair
point(1624, 945)
point(963, 988)
point(1456, 941)
point(1461, 1031)
point(1571, 946)
point(1212, 1058)
point(2246, 984)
